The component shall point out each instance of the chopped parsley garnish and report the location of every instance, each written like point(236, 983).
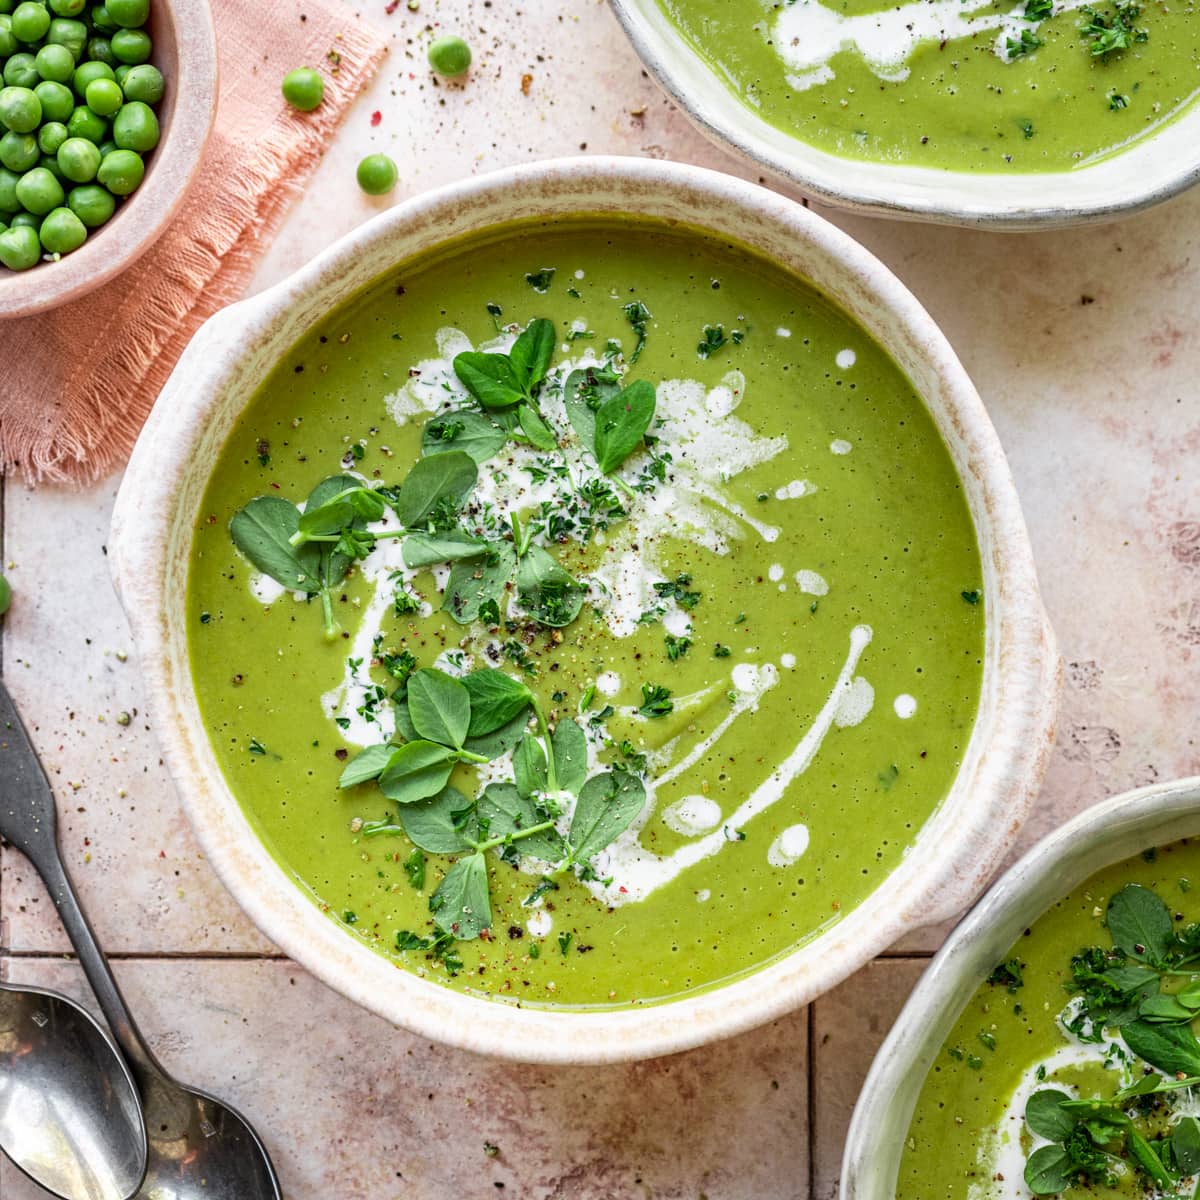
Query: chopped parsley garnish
point(638, 315)
point(677, 647)
point(656, 701)
point(678, 589)
point(1112, 30)
point(541, 280)
point(1027, 43)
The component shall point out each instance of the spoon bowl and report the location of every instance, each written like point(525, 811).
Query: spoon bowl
point(70, 1117)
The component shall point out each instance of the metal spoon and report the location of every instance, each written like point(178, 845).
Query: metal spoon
point(200, 1148)
point(70, 1116)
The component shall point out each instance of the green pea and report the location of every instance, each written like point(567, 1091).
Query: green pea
point(303, 88)
point(20, 248)
point(143, 82)
point(121, 172)
point(54, 63)
point(131, 46)
point(3, 226)
point(107, 147)
point(20, 109)
point(104, 97)
point(9, 203)
point(86, 72)
point(121, 71)
point(86, 124)
point(99, 49)
point(72, 34)
point(6, 6)
point(102, 21)
point(50, 162)
point(21, 71)
point(129, 14)
point(377, 174)
point(19, 151)
point(92, 204)
point(135, 127)
point(62, 231)
point(67, 8)
point(30, 21)
point(57, 102)
point(450, 56)
point(79, 160)
point(25, 220)
point(51, 136)
point(8, 42)
point(5, 595)
point(39, 191)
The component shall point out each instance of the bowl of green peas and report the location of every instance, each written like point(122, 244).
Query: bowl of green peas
point(105, 109)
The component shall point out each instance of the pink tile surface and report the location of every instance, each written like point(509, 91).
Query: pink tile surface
point(352, 1108)
point(1084, 347)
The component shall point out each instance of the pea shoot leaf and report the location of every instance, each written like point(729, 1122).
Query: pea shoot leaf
point(441, 479)
point(621, 424)
point(529, 766)
point(496, 698)
point(1045, 1115)
point(426, 549)
point(535, 428)
point(608, 804)
point(1170, 1048)
point(439, 706)
point(531, 353)
point(506, 811)
point(489, 378)
point(550, 592)
point(370, 764)
point(585, 391)
point(1140, 924)
point(1185, 1143)
point(1163, 1007)
point(261, 531)
point(333, 563)
point(1049, 1170)
point(473, 583)
point(504, 739)
point(443, 824)
point(417, 770)
point(461, 904)
point(472, 433)
point(569, 744)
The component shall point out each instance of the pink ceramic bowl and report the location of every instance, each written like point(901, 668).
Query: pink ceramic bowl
point(185, 51)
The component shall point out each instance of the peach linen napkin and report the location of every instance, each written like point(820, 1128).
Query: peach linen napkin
point(78, 381)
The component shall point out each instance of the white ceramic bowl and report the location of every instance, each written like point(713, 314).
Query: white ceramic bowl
point(1150, 171)
point(1114, 830)
point(953, 855)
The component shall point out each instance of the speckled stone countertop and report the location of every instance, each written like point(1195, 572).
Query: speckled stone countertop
point(1086, 349)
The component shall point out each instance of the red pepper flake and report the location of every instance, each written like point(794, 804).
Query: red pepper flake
point(376, 117)
point(391, 6)
point(622, 889)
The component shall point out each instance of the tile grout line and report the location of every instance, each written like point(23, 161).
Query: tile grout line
point(810, 1099)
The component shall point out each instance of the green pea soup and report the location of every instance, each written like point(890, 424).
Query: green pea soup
point(780, 638)
point(960, 85)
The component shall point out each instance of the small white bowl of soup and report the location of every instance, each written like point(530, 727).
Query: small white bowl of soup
point(1017, 116)
point(1075, 981)
point(587, 611)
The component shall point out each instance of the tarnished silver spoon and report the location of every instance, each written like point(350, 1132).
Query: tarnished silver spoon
point(70, 1116)
point(200, 1148)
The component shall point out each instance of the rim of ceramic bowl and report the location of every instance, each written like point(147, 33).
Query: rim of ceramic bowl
point(955, 852)
point(1105, 834)
point(1148, 172)
point(141, 219)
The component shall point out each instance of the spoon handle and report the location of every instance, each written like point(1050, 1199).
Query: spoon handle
point(28, 821)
